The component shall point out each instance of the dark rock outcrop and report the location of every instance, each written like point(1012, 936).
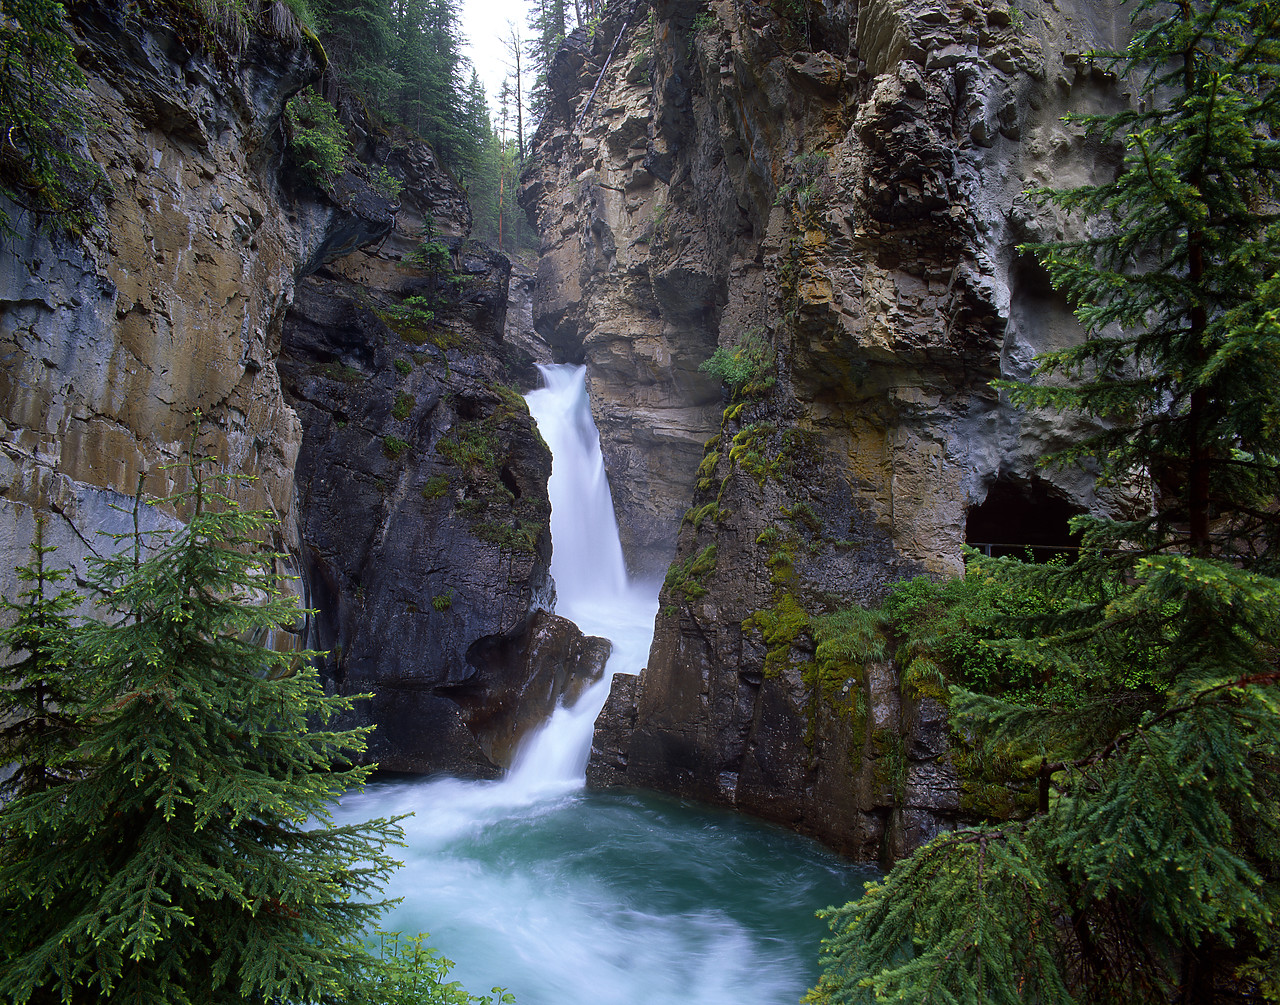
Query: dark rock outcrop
point(418, 518)
point(422, 492)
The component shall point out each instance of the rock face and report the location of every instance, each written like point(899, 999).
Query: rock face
point(173, 302)
point(422, 503)
point(406, 471)
point(842, 189)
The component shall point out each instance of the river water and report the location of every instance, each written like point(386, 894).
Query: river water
point(566, 897)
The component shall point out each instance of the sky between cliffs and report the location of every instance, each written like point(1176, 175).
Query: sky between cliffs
point(484, 23)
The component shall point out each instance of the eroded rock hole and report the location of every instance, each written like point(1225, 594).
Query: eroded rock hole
point(509, 480)
point(1020, 519)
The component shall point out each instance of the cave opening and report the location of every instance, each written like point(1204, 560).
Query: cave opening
point(1023, 519)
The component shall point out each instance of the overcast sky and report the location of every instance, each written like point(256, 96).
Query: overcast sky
point(484, 23)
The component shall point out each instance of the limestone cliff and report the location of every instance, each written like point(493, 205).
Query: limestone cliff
point(422, 499)
point(408, 478)
point(173, 301)
point(841, 186)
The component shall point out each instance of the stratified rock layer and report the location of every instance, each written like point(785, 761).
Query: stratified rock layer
point(173, 302)
point(845, 188)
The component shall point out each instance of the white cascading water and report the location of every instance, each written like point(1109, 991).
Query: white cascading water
point(568, 898)
point(592, 587)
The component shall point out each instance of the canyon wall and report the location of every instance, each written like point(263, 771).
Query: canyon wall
point(836, 191)
point(218, 295)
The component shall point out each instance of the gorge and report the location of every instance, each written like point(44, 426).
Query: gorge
point(836, 441)
point(842, 187)
point(835, 188)
point(565, 896)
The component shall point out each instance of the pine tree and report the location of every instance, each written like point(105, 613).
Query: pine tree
point(43, 689)
point(1141, 713)
point(191, 857)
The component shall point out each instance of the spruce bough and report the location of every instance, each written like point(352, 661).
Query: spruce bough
point(190, 855)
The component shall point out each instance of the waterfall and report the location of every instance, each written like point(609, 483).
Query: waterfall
point(568, 897)
point(593, 589)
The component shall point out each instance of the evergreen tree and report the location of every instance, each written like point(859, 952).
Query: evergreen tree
point(192, 857)
point(1140, 713)
point(43, 689)
point(39, 111)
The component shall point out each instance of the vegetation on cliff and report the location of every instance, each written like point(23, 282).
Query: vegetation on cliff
point(1135, 697)
point(41, 167)
point(174, 846)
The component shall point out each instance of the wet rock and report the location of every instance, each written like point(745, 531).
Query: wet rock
point(556, 663)
point(607, 764)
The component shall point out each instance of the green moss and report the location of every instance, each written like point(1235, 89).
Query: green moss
point(985, 789)
point(923, 679)
point(342, 373)
point(435, 487)
point(708, 511)
point(688, 576)
point(707, 470)
point(414, 325)
point(782, 564)
point(404, 406)
point(403, 367)
point(802, 515)
point(846, 641)
point(393, 447)
point(756, 451)
point(512, 400)
point(769, 536)
point(779, 626)
point(481, 450)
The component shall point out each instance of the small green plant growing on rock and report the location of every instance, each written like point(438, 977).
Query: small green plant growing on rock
point(432, 254)
point(393, 447)
point(442, 601)
point(687, 577)
point(705, 23)
point(404, 406)
point(342, 372)
point(435, 487)
point(747, 368)
point(411, 973)
point(403, 367)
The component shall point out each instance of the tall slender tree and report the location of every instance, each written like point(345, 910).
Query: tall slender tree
point(43, 687)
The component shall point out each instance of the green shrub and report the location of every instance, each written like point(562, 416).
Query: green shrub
point(407, 972)
point(746, 368)
point(442, 601)
point(432, 254)
point(39, 110)
point(317, 146)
